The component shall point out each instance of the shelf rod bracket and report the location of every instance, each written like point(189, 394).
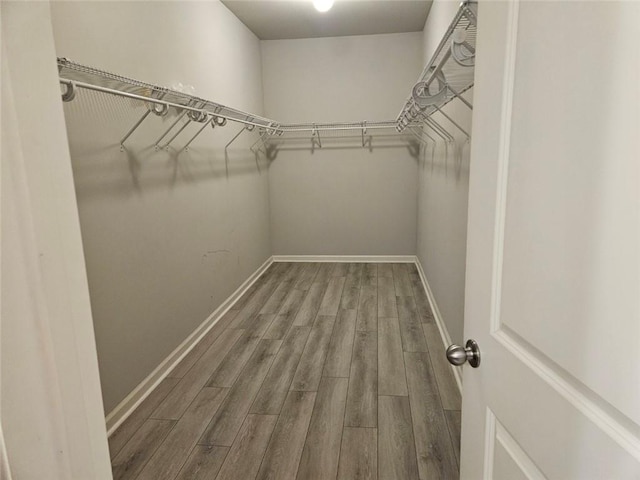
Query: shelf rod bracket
point(133, 129)
point(70, 92)
point(163, 111)
point(180, 117)
point(419, 137)
point(315, 138)
point(199, 117)
point(442, 129)
point(437, 132)
point(364, 132)
point(177, 120)
point(208, 122)
point(452, 121)
point(460, 97)
point(226, 147)
point(166, 145)
point(426, 134)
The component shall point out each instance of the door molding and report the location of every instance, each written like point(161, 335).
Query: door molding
point(495, 432)
point(503, 162)
point(591, 405)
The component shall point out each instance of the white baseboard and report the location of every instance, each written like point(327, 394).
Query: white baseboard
point(346, 258)
point(444, 333)
point(120, 413)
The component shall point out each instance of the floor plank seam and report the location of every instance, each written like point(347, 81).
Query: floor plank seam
point(265, 449)
point(306, 436)
point(413, 420)
point(353, 344)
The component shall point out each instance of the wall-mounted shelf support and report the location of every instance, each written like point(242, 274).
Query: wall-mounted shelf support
point(453, 122)
point(429, 123)
point(159, 110)
point(208, 122)
point(460, 97)
point(234, 138)
point(175, 122)
point(432, 121)
point(70, 92)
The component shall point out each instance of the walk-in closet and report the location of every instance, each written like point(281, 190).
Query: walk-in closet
point(320, 239)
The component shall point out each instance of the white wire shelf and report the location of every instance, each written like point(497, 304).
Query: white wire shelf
point(449, 73)
point(320, 135)
point(447, 76)
point(158, 99)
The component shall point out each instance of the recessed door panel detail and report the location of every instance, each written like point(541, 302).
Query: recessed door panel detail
point(571, 210)
point(505, 460)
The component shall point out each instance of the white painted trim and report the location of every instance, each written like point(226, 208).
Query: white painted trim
point(502, 181)
point(5, 469)
point(120, 413)
point(444, 333)
point(346, 258)
point(621, 430)
point(489, 444)
point(515, 451)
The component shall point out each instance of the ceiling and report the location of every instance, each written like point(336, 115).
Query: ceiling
point(285, 19)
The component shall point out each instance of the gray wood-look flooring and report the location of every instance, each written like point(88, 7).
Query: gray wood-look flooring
point(319, 371)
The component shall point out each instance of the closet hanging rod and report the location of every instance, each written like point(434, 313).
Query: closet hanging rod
point(366, 125)
point(74, 75)
point(179, 106)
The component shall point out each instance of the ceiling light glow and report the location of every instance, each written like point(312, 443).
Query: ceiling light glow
point(323, 5)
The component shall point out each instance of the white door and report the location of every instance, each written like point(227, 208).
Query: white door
point(553, 289)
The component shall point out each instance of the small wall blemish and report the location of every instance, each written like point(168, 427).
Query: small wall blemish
point(215, 253)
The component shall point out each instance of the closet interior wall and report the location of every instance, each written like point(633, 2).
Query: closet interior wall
point(342, 201)
point(167, 235)
point(443, 190)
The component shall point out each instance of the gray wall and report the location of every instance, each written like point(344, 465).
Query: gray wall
point(443, 189)
point(167, 237)
point(343, 201)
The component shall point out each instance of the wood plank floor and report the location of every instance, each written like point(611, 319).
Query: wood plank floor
point(319, 371)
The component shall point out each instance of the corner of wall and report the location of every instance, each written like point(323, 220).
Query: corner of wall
point(442, 327)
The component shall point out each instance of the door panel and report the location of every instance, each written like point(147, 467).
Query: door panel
point(553, 281)
point(571, 227)
point(564, 433)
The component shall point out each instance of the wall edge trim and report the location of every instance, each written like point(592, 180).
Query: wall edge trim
point(126, 407)
point(346, 258)
point(444, 333)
